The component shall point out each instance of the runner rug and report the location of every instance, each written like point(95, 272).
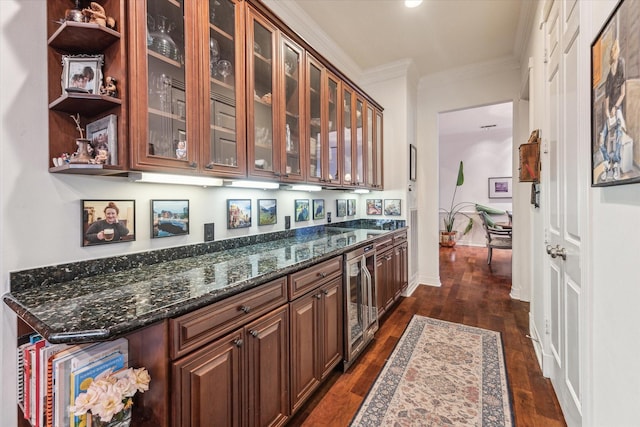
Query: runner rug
point(440, 374)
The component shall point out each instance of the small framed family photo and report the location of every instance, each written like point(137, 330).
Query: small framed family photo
point(302, 210)
point(103, 135)
point(238, 213)
point(108, 221)
point(318, 208)
point(267, 211)
point(169, 218)
point(374, 206)
point(500, 188)
point(82, 73)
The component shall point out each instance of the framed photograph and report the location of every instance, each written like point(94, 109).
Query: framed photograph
point(302, 210)
point(267, 211)
point(169, 218)
point(615, 99)
point(103, 135)
point(351, 207)
point(238, 213)
point(500, 187)
point(108, 221)
point(374, 206)
point(318, 208)
point(82, 73)
point(413, 153)
point(341, 208)
point(392, 207)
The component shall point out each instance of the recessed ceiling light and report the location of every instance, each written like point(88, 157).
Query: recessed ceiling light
point(412, 3)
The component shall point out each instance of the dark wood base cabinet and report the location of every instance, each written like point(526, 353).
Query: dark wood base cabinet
point(392, 276)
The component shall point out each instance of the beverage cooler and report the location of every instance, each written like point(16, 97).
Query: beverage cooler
point(361, 313)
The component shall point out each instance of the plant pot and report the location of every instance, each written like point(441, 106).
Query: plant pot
point(448, 238)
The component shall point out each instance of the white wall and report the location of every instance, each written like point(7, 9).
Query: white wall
point(455, 90)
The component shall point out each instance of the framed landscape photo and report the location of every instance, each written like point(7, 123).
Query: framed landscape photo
point(267, 211)
point(392, 207)
point(302, 210)
point(238, 213)
point(615, 98)
point(82, 73)
point(341, 208)
point(169, 218)
point(500, 187)
point(374, 206)
point(318, 209)
point(108, 221)
point(103, 135)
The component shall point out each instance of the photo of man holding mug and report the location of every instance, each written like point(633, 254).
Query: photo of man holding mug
point(108, 230)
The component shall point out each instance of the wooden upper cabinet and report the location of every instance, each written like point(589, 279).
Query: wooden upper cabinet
point(314, 118)
point(358, 177)
point(378, 182)
point(332, 147)
point(369, 146)
point(186, 72)
point(348, 127)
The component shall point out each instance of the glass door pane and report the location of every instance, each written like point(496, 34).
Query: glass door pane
point(347, 135)
point(167, 109)
point(293, 106)
point(315, 122)
point(359, 178)
point(379, 149)
point(223, 139)
point(369, 147)
point(332, 160)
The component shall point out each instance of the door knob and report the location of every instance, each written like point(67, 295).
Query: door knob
point(561, 252)
point(549, 247)
point(552, 251)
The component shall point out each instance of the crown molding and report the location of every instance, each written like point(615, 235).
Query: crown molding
point(470, 71)
point(389, 71)
point(525, 27)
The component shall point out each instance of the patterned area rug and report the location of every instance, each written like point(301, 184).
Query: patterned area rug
point(440, 374)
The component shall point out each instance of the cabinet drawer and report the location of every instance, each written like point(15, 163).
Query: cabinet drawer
point(312, 277)
point(399, 237)
point(199, 327)
point(384, 243)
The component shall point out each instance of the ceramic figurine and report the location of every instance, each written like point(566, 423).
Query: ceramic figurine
point(109, 87)
point(97, 15)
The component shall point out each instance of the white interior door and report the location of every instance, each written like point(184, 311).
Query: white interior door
point(563, 221)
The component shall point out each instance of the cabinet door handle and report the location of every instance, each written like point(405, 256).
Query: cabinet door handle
point(326, 292)
point(193, 165)
point(209, 165)
point(238, 342)
point(318, 296)
point(254, 333)
point(322, 274)
point(245, 308)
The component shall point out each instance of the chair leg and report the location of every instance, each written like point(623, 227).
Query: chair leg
point(489, 254)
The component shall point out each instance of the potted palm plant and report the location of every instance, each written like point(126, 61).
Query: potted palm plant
point(449, 235)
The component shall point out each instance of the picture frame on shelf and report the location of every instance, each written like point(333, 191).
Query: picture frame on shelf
point(615, 98)
point(267, 211)
point(501, 187)
point(318, 209)
point(374, 206)
point(169, 218)
point(393, 207)
point(82, 73)
point(108, 221)
point(238, 213)
point(341, 208)
point(351, 207)
point(103, 134)
point(302, 210)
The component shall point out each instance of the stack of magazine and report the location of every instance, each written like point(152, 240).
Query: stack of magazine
point(51, 376)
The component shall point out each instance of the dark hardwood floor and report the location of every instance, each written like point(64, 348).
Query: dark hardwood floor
point(472, 293)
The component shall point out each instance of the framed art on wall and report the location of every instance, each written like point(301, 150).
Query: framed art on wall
point(302, 209)
point(108, 221)
point(500, 187)
point(374, 206)
point(169, 218)
point(238, 213)
point(351, 207)
point(318, 208)
point(392, 207)
point(341, 208)
point(267, 211)
point(615, 99)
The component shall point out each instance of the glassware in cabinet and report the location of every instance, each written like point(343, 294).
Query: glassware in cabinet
point(369, 148)
point(379, 167)
point(347, 131)
point(358, 179)
point(334, 140)
point(290, 110)
point(314, 119)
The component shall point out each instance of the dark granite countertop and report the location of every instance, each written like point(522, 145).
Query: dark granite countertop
point(106, 306)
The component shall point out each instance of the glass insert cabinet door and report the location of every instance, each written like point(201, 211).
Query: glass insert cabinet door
point(347, 130)
point(291, 109)
point(332, 153)
point(369, 147)
point(359, 143)
point(315, 119)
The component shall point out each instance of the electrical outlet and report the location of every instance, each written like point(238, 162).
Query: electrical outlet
point(287, 222)
point(208, 232)
point(328, 216)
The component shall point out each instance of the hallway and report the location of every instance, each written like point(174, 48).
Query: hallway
point(471, 293)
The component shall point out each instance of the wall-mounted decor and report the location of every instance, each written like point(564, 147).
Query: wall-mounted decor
point(615, 99)
point(351, 207)
point(302, 209)
point(530, 159)
point(267, 211)
point(318, 208)
point(103, 135)
point(238, 213)
point(392, 207)
point(413, 158)
point(108, 221)
point(535, 194)
point(500, 187)
point(374, 206)
point(82, 73)
point(341, 208)
point(169, 218)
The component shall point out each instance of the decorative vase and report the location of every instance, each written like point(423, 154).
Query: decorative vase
point(82, 155)
point(448, 238)
point(121, 419)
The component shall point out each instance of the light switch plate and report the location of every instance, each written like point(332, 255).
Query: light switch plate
point(287, 222)
point(208, 232)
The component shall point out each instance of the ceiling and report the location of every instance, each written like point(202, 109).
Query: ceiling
point(438, 35)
